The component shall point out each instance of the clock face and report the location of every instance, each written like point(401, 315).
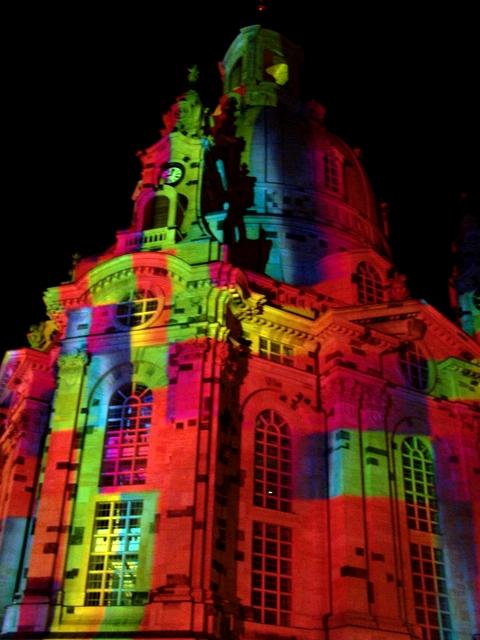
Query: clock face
point(172, 173)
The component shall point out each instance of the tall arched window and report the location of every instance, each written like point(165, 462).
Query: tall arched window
point(419, 486)
point(427, 562)
point(369, 283)
point(273, 462)
point(126, 438)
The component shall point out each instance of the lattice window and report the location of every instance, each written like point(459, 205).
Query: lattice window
point(126, 438)
point(271, 573)
point(137, 308)
point(419, 484)
point(331, 172)
point(273, 462)
point(369, 283)
point(276, 352)
point(113, 564)
point(430, 592)
point(414, 366)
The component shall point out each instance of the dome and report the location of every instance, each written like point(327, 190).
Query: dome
point(311, 197)
point(303, 171)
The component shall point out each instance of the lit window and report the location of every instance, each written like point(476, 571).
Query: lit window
point(113, 564)
point(419, 486)
point(137, 308)
point(276, 352)
point(273, 462)
point(414, 366)
point(126, 438)
point(369, 283)
point(430, 592)
point(271, 573)
point(331, 172)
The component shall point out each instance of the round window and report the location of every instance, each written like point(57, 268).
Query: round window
point(137, 309)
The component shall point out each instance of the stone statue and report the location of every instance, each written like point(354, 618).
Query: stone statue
point(187, 113)
point(397, 289)
point(41, 336)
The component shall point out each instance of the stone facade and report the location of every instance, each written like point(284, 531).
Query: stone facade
point(236, 422)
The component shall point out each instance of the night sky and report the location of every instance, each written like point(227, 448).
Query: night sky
point(85, 90)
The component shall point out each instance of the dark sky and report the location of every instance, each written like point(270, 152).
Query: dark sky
point(85, 89)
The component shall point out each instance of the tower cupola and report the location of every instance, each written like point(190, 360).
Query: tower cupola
point(262, 66)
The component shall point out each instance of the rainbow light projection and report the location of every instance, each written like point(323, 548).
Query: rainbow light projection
point(254, 432)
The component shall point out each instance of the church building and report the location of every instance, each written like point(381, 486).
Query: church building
point(236, 423)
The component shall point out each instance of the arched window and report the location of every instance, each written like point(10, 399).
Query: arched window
point(126, 438)
point(273, 462)
point(156, 212)
point(414, 366)
point(166, 209)
point(419, 486)
point(331, 172)
point(369, 283)
point(427, 562)
point(161, 207)
point(137, 308)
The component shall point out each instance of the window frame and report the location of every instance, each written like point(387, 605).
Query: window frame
point(271, 573)
point(416, 368)
point(113, 561)
point(142, 304)
point(276, 351)
point(333, 172)
point(272, 482)
point(370, 287)
point(127, 428)
point(430, 592)
point(419, 489)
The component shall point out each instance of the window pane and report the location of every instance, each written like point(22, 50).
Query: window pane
point(271, 586)
point(369, 284)
point(128, 423)
point(112, 569)
point(275, 493)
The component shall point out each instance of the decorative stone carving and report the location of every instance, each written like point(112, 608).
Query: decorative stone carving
point(71, 365)
point(245, 307)
point(43, 335)
point(342, 397)
point(374, 405)
point(187, 114)
point(397, 289)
